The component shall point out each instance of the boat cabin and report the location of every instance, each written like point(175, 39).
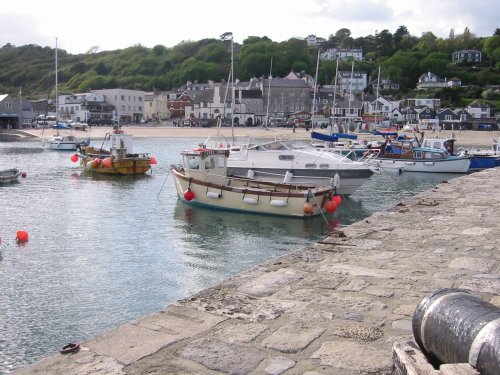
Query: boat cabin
point(204, 164)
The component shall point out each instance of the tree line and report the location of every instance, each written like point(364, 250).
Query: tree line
point(401, 57)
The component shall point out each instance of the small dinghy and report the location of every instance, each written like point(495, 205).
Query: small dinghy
point(70, 348)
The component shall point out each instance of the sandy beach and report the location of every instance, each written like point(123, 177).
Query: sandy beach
point(469, 138)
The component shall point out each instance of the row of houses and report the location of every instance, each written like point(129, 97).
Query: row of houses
point(246, 103)
point(331, 54)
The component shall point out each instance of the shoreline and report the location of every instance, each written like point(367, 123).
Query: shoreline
point(469, 138)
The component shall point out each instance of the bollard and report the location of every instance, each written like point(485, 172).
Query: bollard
point(454, 326)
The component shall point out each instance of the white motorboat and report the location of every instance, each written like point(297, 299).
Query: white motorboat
point(63, 143)
point(202, 180)
point(298, 162)
point(409, 156)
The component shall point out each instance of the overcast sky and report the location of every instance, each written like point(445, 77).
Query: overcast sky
point(112, 25)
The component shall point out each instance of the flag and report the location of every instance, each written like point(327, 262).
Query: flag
point(227, 36)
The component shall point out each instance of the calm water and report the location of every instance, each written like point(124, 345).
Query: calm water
point(103, 251)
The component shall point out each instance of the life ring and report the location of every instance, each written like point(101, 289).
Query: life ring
point(69, 348)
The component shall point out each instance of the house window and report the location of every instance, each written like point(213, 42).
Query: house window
point(447, 117)
point(123, 97)
point(9, 105)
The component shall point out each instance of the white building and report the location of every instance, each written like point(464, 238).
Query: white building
point(156, 106)
point(72, 107)
point(355, 83)
point(341, 53)
point(129, 104)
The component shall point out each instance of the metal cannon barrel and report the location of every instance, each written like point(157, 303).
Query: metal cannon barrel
point(454, 326)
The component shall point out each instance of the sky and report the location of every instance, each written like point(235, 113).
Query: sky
point(112, 25)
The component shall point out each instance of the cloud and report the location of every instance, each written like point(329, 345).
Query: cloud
point(21, 29)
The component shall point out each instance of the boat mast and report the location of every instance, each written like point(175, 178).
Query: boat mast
point(268, 93)
point(232, 87)
point(376, 99)
point(334, 92)
point(57, 92)
point(350, 97)
point(315, 87)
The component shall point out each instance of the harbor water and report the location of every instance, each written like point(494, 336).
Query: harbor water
point(105, 250)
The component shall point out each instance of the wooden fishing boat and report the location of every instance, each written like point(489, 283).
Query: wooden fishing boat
point(9, 175)
point(202, 180)
point(118, 160)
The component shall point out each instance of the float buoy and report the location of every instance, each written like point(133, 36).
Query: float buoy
point(107, 162)
point(330, 205)
point(188, 195)
point(337, 199)
point(22, 236)
point(23, 174)
point(69, 348)
point(308, 208)
point(152, 160)
point(74, 158)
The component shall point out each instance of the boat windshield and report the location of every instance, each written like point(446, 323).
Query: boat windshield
point(283, 145)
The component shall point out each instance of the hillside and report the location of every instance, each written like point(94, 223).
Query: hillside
point(402, 58)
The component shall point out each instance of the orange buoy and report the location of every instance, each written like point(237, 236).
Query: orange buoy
point(107, 162)
point(308, 208)
point(74, 158)
point(330, 205)
point(22, 236)
point(188, 195)
point(337, 199)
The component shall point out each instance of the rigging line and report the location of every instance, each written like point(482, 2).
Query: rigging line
point(324, 217)
point(168, 174)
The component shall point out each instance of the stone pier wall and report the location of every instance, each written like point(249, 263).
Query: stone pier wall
point(335, 307)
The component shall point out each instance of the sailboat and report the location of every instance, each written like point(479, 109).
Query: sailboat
point(61, 142)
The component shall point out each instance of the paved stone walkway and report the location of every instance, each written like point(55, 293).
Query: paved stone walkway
point(335, 307)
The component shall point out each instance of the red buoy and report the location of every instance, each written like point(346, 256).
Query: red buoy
point(74, 158)
point(152, 160)
point(337, 199)
point(188, 195)
point(22, 236)
point(308, 208)
point(23, 174)
point(330, 205)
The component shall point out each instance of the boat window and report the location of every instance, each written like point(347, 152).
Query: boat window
point(285, 157)
point(418, 154)
point(193, 162)
point(276, 146)
point(324, 166)
point(220, 163)
point(311, 165)
point(209, 163)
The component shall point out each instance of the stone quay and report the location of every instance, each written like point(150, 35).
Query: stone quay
point(339, 306)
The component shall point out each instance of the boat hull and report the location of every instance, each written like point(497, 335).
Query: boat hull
point(458, 165)
point(8, 176)
point(251, 199)
point(128, 166)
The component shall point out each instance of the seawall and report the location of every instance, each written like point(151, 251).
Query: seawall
point(335, 307)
